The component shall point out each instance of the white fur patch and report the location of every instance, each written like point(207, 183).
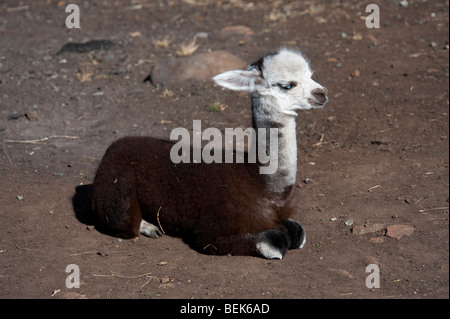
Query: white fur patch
point(268, 251)
point(149, 230)
point(303, 242)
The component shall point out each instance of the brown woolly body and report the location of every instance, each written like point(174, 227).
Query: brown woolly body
point(137, 179)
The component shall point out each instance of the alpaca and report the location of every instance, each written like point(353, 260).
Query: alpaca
point(218, 208)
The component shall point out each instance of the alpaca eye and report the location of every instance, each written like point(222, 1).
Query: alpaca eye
point(287, 87)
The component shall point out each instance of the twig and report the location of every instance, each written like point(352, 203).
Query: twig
point(320, 141)
point(383, 131)
point(83, 253)
point(40, 139)
point(373, 187)
point(157, 218)
point(149, 277)
point(113, 274)
point(14, 9)
point(436, 208)
point(33, 142)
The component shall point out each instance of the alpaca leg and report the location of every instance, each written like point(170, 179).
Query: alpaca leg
point(270, 244)
point(149, 230)
point(115, 204)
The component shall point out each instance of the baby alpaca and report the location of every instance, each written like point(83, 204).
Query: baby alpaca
point(218, 208)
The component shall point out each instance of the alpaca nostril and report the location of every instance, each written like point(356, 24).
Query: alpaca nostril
point(320, 95)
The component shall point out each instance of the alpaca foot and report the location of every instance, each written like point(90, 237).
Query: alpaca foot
point(149, 230)
point(296, 233)
point(273, 244)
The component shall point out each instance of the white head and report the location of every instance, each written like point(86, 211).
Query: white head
point(283, 77)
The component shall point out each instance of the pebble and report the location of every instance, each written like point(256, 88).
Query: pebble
point(367, 228)
point(14, 116)
point(398, 231)
point(202, 35)
point(32, 115)
point(349, 222)
point(86, 47)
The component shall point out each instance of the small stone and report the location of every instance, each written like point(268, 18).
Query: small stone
point(355, 73)
point(32, 116)
point(367, 228)
point(308, 181)
point(202, 35)
point(349, 222)
point(14, 116)
point(398, 231)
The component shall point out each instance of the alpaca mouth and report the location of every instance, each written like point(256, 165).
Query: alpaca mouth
point(316, 103)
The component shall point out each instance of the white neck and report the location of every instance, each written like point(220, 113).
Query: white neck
point(266, 115)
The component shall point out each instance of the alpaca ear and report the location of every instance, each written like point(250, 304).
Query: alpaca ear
point(240, 80)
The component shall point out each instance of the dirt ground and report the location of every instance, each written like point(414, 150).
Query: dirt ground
point(378, 153)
